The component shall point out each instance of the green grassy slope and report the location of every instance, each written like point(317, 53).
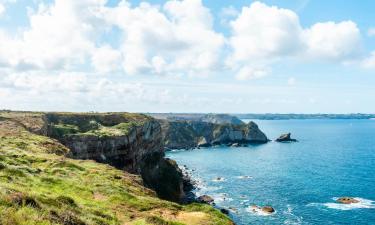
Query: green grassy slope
point(39, 185)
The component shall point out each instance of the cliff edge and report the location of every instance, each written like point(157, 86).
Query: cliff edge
point(186, 134)
point(41, 184)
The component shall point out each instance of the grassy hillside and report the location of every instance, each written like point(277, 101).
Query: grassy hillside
point(39, 185)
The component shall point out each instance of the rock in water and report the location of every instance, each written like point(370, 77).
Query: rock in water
point(225, 211)
point(347, 200)
point(205, 199)
point(285, 138)
point(268, 209)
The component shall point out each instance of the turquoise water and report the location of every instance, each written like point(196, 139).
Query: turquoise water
point(300, 180)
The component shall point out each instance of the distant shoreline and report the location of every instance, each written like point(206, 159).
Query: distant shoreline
point(268, 116)
point(305, 116)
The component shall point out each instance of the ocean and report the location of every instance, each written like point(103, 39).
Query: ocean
point(301, 180)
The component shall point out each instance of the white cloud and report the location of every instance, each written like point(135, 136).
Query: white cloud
point(106, 59)
point(2, 9)
point(262, 35)
point(291, 81)
point(333, 41)
point(248, 73)
point(175, 38)
point(178, 37)
point(371, 32)
point(60, 36)
point(261, 31)
point(369, 62)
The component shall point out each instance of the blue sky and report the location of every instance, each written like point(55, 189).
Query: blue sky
point(188, 56)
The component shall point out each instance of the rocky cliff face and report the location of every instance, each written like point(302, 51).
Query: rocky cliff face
point(190, 134)
point(40, 185)
point(131, 142)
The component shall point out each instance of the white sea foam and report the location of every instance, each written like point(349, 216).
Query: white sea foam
point(292, 219)
point(361, 204)
point(221, 197)
point(244, 177)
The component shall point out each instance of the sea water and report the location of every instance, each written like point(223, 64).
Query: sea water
point(301, 180)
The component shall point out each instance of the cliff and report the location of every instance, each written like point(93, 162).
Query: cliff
point(185, 134)
point(209, 118)
point(131, 142)
point(40, 184)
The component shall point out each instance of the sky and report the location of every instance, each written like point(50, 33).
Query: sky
point(242, 56)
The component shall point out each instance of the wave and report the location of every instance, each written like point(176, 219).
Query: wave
point(291, 217)
point(361, 204)
point(244, 177)
point(221, 197)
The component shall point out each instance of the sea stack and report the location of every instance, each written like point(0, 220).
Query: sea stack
point(285, 138)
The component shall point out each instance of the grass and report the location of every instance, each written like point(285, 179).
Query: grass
point(39, 185)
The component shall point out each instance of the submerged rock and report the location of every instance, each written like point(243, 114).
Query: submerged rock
point(285, 138)
point(347, 200)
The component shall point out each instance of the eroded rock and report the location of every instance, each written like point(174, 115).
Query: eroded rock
point(205, 199)
point(347, 200)
point(285, 138)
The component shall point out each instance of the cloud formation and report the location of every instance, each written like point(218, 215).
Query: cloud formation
point(263, 34)
point(176, 38)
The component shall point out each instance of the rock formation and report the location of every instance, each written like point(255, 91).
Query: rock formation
point(221, 119)
point(41, 185)
point(347, 200)
point(268, 209)
point(209, 118)
point(190, 134)
point(285, 138)
point(205, 199)
point(131, 142)
point(265, 209)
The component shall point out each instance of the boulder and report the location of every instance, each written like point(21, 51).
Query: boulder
point(205, 199)
point(268, 209)
point(225, 211)
point(285, 138)
point(347, 200)
point(264, 209)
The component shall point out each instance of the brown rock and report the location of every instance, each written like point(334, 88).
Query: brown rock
point(268, 209)
point(205, 199)
point(347, 200)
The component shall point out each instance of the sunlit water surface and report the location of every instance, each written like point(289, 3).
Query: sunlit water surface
point(300, 180)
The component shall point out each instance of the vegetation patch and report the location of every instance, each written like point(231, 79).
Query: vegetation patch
point(40, 186)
